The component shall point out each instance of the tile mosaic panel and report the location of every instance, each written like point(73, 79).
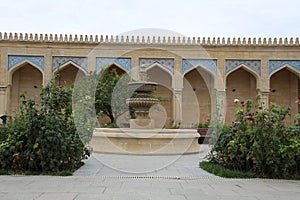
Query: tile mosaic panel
point(101, 62)
point(276, 64)
point(57, 61)
point(210, 64)
point(254, 65)
point(14, 60)
point(167, 63)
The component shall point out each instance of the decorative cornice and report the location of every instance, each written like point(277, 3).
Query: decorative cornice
point(85, 39)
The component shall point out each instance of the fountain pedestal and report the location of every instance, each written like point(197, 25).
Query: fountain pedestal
point(142, 123)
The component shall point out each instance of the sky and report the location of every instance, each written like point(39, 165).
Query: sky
point(195, 18)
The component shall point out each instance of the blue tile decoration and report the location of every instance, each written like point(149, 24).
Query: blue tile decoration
point(276, 64)
point(210, 64)
point(14, 60)
point(101, 62)
point(254, 65)
point(167, 63)
point(57, 61)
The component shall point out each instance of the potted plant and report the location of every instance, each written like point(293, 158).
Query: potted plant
point(204, 131)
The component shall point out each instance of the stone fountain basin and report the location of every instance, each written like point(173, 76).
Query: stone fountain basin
point(145, 141)
point(141, 102)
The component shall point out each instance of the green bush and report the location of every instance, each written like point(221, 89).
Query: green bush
point(258, 141)
point(43, 136)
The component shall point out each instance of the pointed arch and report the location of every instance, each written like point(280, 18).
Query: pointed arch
point(159, 66)
point(240, 84)
point(112, 64)
point(67, 64)
point(244, 67)
point(20, 65)
point(198, 84)
point(25, 77)
point(284, 87)
point(202, 67)
point(164, 89)
point(69, 73)
point(288, 67)
point(122, 63)
point(163, 69)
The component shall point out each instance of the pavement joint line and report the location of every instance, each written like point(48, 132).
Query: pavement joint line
point(158, 177)
point(208, 177)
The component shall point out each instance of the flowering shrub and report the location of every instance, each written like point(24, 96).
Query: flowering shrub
point(258, 141)
point(43, 136)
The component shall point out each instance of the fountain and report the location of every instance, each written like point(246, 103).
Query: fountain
point(142, 103)
point(142, 138)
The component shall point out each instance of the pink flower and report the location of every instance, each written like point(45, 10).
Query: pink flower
point(249, 117)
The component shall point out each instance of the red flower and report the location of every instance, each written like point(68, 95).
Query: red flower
point(249, 117)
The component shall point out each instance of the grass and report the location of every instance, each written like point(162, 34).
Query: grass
point(221, 171)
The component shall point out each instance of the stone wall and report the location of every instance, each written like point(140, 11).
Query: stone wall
point(208, 68)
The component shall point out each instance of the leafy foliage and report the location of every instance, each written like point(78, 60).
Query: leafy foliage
point(111, 94)
point(85, 116)
point(43, 136)
point(258, 141)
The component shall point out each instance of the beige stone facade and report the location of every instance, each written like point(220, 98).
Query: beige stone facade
point(192, 73)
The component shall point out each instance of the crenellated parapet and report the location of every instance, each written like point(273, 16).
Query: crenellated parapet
point(95, 39)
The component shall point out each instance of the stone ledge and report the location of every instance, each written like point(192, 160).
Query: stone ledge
point(145, 142)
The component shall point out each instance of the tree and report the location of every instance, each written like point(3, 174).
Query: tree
point(111, 94)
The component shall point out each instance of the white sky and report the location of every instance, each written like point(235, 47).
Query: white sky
point(215, 18)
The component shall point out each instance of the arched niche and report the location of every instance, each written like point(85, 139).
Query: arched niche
point(240, 84)
point(163, 78)
point(26, 78)
point(285, 90)
point(124, 118)
point(67, 74)
point(198, 85)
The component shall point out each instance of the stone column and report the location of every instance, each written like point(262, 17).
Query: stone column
point(3, 100)
point(91, 62)
point(48, 74)
point(177, 105)
point(264, 83)
point(177, 86)
point(219, 105)
point(4, 82)
point(264, 98)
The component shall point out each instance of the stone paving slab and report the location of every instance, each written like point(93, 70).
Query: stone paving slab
point(182, 180)
point(97, 187)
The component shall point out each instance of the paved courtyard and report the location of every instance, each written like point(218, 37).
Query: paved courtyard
point(107, 176)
